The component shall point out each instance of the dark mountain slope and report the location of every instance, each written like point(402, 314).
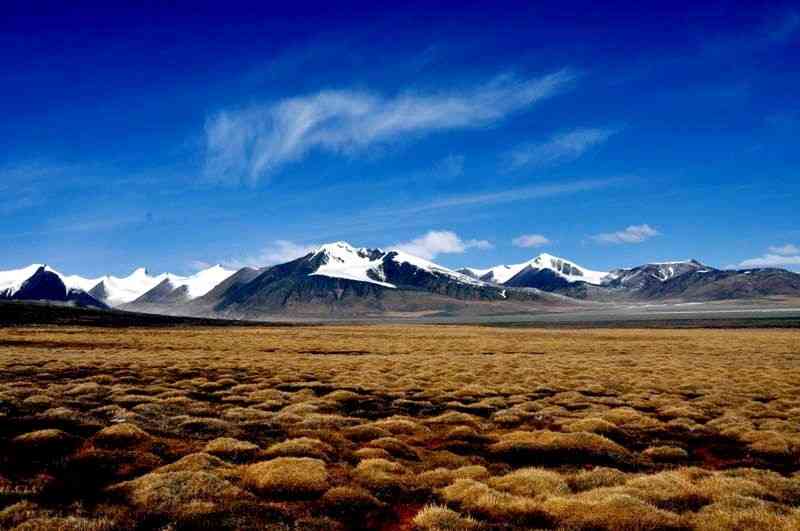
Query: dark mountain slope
point(46, 285)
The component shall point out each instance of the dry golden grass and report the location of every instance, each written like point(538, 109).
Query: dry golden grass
point(381, 475)
point(231, 449)
point(438, 518)
point(287, 476)
point(532, 482)
point(121, 436)
point(428, 427)
point(545, 446)
point(181, 495)
point(301, 447)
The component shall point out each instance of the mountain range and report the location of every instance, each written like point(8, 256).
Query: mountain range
point(339, 280)
point(41, 282)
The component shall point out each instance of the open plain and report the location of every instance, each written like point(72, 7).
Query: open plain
point(399, 427)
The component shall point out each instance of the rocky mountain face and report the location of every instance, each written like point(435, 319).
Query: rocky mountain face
point(340, 280)
point(649, 276)
point(688, 280)
point(714, 284)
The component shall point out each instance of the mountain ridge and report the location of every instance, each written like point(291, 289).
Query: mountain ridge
point(338, 278)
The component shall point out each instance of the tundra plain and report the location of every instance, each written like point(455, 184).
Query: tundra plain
point(399, 427)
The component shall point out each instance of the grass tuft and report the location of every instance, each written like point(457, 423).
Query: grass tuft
point(294, 477)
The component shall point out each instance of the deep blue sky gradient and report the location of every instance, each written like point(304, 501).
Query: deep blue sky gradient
point(105, 111)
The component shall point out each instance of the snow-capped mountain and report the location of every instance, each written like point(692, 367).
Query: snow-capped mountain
point(110, 290)
point(11, 281)
point(201, 282)
point(40, 282)
point(340, 279)
point(641, 277)
point(115, 291)
point(563, 269)
point(107, 289)
point(686, 280)
point(342, 260)
point(176, 289)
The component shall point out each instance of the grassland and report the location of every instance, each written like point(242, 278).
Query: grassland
point(399, 427)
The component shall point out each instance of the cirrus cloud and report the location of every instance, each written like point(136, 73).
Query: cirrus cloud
point(563, 147)
point(246, 144)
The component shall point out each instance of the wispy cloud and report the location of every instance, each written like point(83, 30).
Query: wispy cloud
point(94, 224)
point(778, 28)
point(771, 260)
point(450, 166)
point(778, 256)
point(788, 249)
point(395, 214)
point(631, 234)
point(276, 252)
point(437, 242)
point(563, 147)
point(523, 193)
point(28, 184)
point(530, 240)
point(246, 144)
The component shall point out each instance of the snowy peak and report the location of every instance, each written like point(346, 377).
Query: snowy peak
point(201, 282)
point(401, 257)
point(659, 271)
point(568, 270)
point(565, 269)
point(41, 282)
point(116, 291)
point(12, 280)
point(667, 270)
point(139, 273)
point(342, 260)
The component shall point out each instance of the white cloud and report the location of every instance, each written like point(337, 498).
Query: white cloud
point(530, 240)
point(778, 256)
point(437, 242)
point(785, 250)
point(563, 147)
point(631, 234)
point(771, 260)
point(277, 252)
point(249, 143)
point(428, 246)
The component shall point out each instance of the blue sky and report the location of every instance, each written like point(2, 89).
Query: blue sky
point(191, 135)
